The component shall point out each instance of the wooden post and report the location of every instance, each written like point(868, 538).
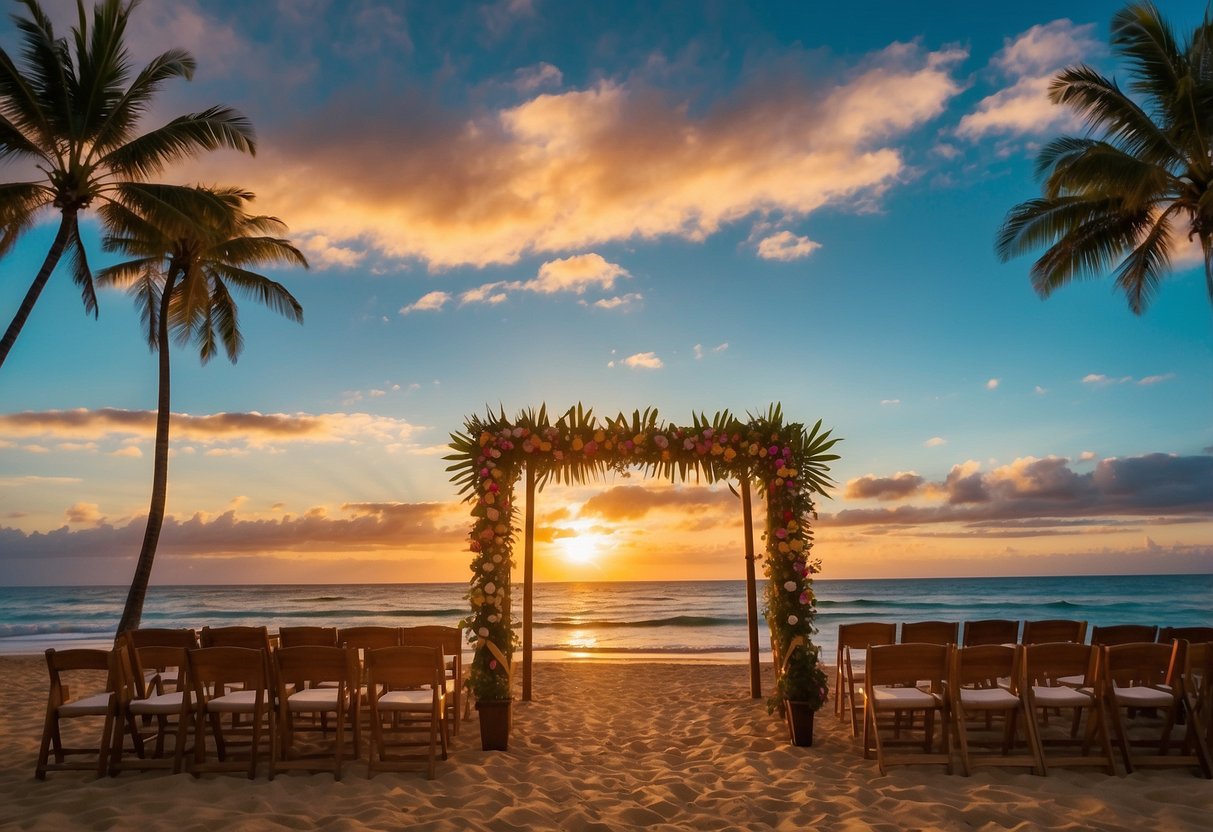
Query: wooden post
point(528, 582)
point(751, 588)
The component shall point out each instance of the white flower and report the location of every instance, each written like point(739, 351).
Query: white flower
point(490, 588)
point(793, 620)
point(483, 632)
point(496, 558)
point(494, 618)
point(790, 586)
point(489, 567)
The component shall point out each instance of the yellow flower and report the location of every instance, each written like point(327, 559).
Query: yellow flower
point(577, 443)
point(600, 436)
point(729, 454)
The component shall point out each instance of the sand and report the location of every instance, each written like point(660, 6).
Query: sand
point(604, 746)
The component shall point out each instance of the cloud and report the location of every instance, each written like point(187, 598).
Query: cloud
point(83, 514)
point(642, 361)
point(621, 302)
point(619, 160)
point(323, 253)
point(530, 78)
point(629, 502)
point(1029, 62)
point(896, 487)
point(993, 383)
point(575, 275)
point(429, 302)
point(786, 246)
point(890, 402)
point(1159, 379)
point(360, 527)
point(935, 442)
point(1034, 491)
point(1101, 380)
point(699, 350)
point(252, 430)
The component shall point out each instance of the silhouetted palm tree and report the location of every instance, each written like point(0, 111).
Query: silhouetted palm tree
point(1121, 197)
point(71, 114)
point(182, 279)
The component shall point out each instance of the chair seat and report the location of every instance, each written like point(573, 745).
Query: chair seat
point(313, 699)
point(1062, 697)
point(406, 700)
point(238, 701)
point(1143, 696)
point(1075, 681)
point(96, 705)
point(906, 698)
point(987, 698)
point(159, 704)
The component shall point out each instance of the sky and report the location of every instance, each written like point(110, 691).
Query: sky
point(681, 205)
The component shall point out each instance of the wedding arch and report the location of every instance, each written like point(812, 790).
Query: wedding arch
point(788, 463)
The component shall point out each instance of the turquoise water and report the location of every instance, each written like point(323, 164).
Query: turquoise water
point(694, 618)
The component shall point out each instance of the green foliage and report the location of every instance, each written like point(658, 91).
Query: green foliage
point(789, 463)
point(1120, 199)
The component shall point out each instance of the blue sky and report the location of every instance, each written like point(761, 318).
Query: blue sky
point(681, 205)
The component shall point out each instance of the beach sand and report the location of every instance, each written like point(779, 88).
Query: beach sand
point(604, 746)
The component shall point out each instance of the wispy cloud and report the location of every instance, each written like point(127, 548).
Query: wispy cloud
point(786, 246)
point(617, 160)
point(1029, 62)
point(429, 302)
point(1101, 380)
point(639, 361)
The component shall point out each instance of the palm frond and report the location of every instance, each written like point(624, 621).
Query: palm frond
point(1140, 35)
point(15, 144)
point(223, 321)
point(180, 139)
point(35, 103)
point(1143, 269)
point(131, 106)
point(1100, 170)
point(77, 262)
point(269, 293)
point(1105, 108)
point(1088, 250)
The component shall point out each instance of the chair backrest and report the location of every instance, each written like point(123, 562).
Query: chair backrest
point(211, 669)
point(305, 665)
point(1198, 674)
point(368, 638)
point(450, 638)
point(864, 634)
point(252, 638)
point(984, 665)
point(990, 631)
point(1190, 634)
point(1128, 665)
point(907, 664)
point(159, 637)
point(80, 661)
point(1123, 634)
point(930, 632)
point(1042, 632)
point(1046, 663)
point(157, 659)
point(307, 637)
point(407, 666)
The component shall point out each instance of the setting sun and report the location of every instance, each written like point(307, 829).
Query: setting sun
point(582, 549)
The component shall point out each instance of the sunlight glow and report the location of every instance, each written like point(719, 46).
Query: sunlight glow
point(583, 549)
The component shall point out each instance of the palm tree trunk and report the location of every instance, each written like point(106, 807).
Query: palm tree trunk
point(66, 227)
point(1206, 245)
point(132, 612)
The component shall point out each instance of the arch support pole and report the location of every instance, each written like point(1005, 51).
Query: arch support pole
point(751, 589)
point(528, 582)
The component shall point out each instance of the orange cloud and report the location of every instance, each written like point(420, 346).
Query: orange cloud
point(571, 169)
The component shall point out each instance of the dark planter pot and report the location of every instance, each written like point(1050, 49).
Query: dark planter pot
point(800, 722)
point(494, 724)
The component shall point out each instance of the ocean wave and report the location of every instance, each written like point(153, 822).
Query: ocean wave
point(672, 621)
point(994, 603)
point(56, 629)
point(337, 613)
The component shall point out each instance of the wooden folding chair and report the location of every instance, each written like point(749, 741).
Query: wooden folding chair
point(1147, 679)
point(851, 664)
point(1054, 630)
point(408, 685)
point(975, 687)
point(450, 641)
point(100, 671)
point(164, 702)
point(308, 637)
point(1192, 635)
point(1123, 634)
point(161, 637)
point(990, 631)
point(1197, 680)
point(1043, 669)
point(236, 681)
point(891, 685)
point(300, 672)
point(930, 632)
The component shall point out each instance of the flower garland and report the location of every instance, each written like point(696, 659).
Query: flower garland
point(789, 462)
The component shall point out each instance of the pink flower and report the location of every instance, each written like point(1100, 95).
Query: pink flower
point(688, 444)
point(492, 664)
point(781, 533)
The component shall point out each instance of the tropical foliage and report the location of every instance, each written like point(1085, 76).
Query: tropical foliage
point(69, 116)
point(1120, 198)
point(184, 278)
point(790, 463)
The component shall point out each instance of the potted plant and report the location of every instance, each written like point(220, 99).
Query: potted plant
point(489, 682)
point(801, 691)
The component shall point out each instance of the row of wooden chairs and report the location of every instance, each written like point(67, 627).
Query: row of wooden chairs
point(1131, 694)
point(854, 639)
point(162, 684)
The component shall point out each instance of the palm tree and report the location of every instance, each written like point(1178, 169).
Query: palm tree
point(182, 278)
point(71, 113)
point(1120, 197)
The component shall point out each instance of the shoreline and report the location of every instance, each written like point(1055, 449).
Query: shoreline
point(605, 745)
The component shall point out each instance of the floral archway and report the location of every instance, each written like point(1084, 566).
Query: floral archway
point(788, 464)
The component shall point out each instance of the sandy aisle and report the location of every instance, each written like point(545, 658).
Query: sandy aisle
point(605, 746)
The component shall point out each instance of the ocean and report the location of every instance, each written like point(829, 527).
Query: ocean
point(675, 620)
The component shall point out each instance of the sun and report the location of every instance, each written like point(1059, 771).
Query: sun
point(582, 549)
